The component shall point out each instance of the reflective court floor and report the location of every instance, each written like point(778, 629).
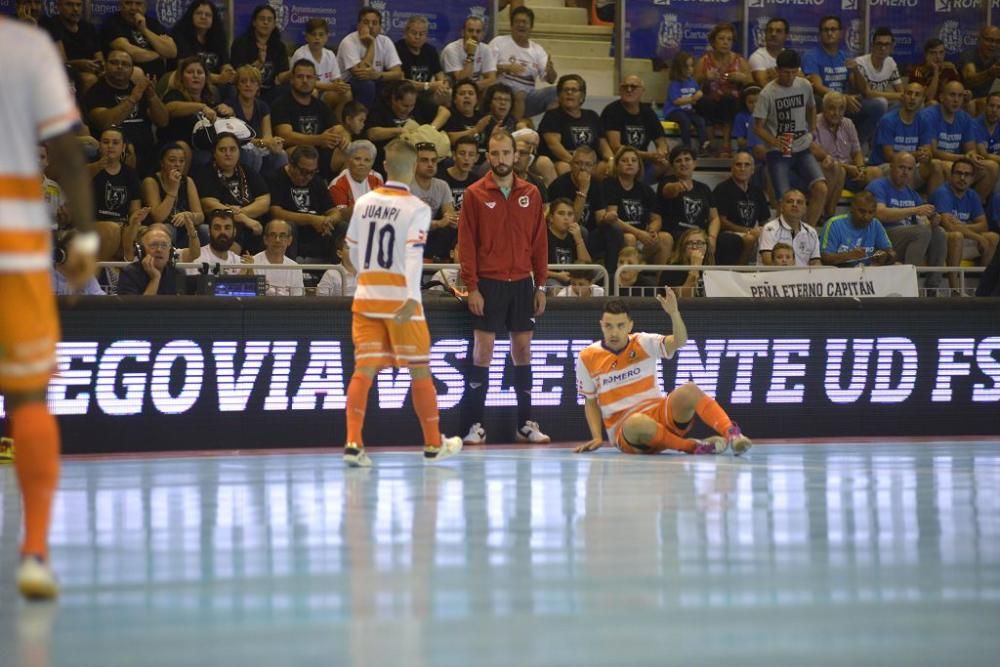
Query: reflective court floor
point(832, 554)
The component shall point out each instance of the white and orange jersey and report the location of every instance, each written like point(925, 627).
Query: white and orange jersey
point(386, 240)
point(36, 105)
point(622, 382)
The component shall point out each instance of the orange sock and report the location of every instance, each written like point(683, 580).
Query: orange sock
point(664, 438)
point(357, 403)
point(712, 414)
point(425, 404)
point(36, 435)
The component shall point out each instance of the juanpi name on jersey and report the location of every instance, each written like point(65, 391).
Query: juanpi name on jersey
point(128, 377)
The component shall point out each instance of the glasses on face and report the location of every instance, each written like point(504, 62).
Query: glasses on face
point(308, 173)
point(158, 245)
point(281, 236)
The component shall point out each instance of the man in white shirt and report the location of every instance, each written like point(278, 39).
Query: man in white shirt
point(221, 236)
point(470, 58)
point(763, 63)
point(877, 75)
point(788, 228)
point(368, 58)
point(521, 61)
point(277, 238)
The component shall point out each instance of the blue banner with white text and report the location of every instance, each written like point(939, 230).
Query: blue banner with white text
point(803, 17)
point(913, 22)
point(661, 28)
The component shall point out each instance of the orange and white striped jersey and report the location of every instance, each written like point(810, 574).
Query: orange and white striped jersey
point(622, 382)
point(386, 240)
point(36, 105)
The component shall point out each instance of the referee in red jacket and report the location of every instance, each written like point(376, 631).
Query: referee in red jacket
point(502, 241)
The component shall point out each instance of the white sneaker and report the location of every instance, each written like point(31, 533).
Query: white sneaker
point(35, 579)
point(449, 447)
point(530, 432)
point(715, 444)
point(476, 435)
point(355, 456)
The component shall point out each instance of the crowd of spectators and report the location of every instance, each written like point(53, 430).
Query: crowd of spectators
point(242, 151)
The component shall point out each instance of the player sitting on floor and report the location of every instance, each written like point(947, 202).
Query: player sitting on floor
point(617, 377)
point(386, 241)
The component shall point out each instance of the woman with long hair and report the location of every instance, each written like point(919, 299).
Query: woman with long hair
point(201, 32)
point(117, 194)
point(190, 96)
point(261, 47)
point(172, 198)
point(691, 250)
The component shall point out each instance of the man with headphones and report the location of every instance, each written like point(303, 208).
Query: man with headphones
point(153, 272)
point(74, 269)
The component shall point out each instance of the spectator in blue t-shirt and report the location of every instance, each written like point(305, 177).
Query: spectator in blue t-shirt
point(857, 238)
point(949, 135)
point(828, 69)
point(682, 94)
point(987, 129)
point(902, 129)
point(963, 217)
point(746, 138)
point(913, 226)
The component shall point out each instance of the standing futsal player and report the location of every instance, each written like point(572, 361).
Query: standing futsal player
point(386, 243)
point(617, 377)
point(36, 106)
point(502, 240)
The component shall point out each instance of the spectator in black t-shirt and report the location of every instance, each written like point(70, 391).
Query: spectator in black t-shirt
point(566, 242)
point(691, 250)
point(604, 239)
point(422, 67)
point(300, 197)
point(116, 100)
point(261, 47)
point(525, 161)
point(190, 95)
point(301, 119)
point(466, 120)
point(569, 126)
point(459, 176)
point(142, 37)
point(201, 31)
point(385, 122)
point(172, 197)
point(154, 272)
point(79, 41)
point(631, 207)
point(117, 193)
point(687, 203)
point(226, 184)
point(743, 207)
point(630, 122)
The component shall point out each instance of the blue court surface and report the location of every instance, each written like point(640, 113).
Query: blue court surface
point(800, 554)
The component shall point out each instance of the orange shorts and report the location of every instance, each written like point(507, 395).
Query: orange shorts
point(383, 342)
point(29, 329)
point(661, 413)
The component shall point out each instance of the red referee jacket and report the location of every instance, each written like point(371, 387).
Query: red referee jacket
point(502, 238)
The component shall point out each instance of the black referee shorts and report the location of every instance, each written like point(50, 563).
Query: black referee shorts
point(508, 306)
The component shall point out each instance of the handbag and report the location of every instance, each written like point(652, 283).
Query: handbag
point(205, 132)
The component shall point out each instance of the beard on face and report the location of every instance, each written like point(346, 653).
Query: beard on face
point(221, 243)
point(501, 170)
